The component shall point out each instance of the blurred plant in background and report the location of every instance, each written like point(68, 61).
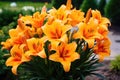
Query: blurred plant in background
point(112, 11)
point(115, 64)
point(58, 3)
point(89, 4)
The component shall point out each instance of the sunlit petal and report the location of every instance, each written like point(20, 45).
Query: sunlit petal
point(65, 54)
point(66, 66)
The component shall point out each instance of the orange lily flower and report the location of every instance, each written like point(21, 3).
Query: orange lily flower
point(27, 20)
point(61, 14)
point(17, 36)
point(102, 22)
point(7, 44)
point(65, 54)
point(56, 32)
point(88, 32)
point(76, 16)
point(102, 48)
point(35, 47)
point(20, 28)
point(38, 19)
point(17, 57)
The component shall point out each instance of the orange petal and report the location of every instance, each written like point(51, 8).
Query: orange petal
point(72, 46)
point(54, 57)
point(64, 38)
point(9, 61)
point(66, 65)
point(25, 58)
point(42, 54)
point(75, 56)
point(14, 69)
point(90, 42)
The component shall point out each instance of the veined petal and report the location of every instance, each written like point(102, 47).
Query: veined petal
point(32, 43)
point(56, 30)
point(11, 61)
point(65, 54)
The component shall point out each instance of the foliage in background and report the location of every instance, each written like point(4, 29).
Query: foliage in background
point(7, 16)
point(89, 4)
point(115, 64)
point(112, 11)
point(21, 4)
point(58, 3)
point(77, 3)
point(30, 0)
point(101, 6)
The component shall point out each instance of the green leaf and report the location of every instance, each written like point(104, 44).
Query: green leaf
point(37, 78)
point(99, 75)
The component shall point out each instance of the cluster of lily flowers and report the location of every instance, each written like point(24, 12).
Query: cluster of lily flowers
point(60, 27)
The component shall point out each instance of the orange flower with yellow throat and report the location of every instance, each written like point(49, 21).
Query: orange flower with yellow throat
point(60, 13)
point(56, 32)
point(88, 30)
point(102, 48)
point(35, 47)
point(35, 21)
point(17, 36)
point(65, 54)
point(17, 57)
point(103, 22)
point(75, 17)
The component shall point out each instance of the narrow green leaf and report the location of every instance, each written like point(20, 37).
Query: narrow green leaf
point(99, 75)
